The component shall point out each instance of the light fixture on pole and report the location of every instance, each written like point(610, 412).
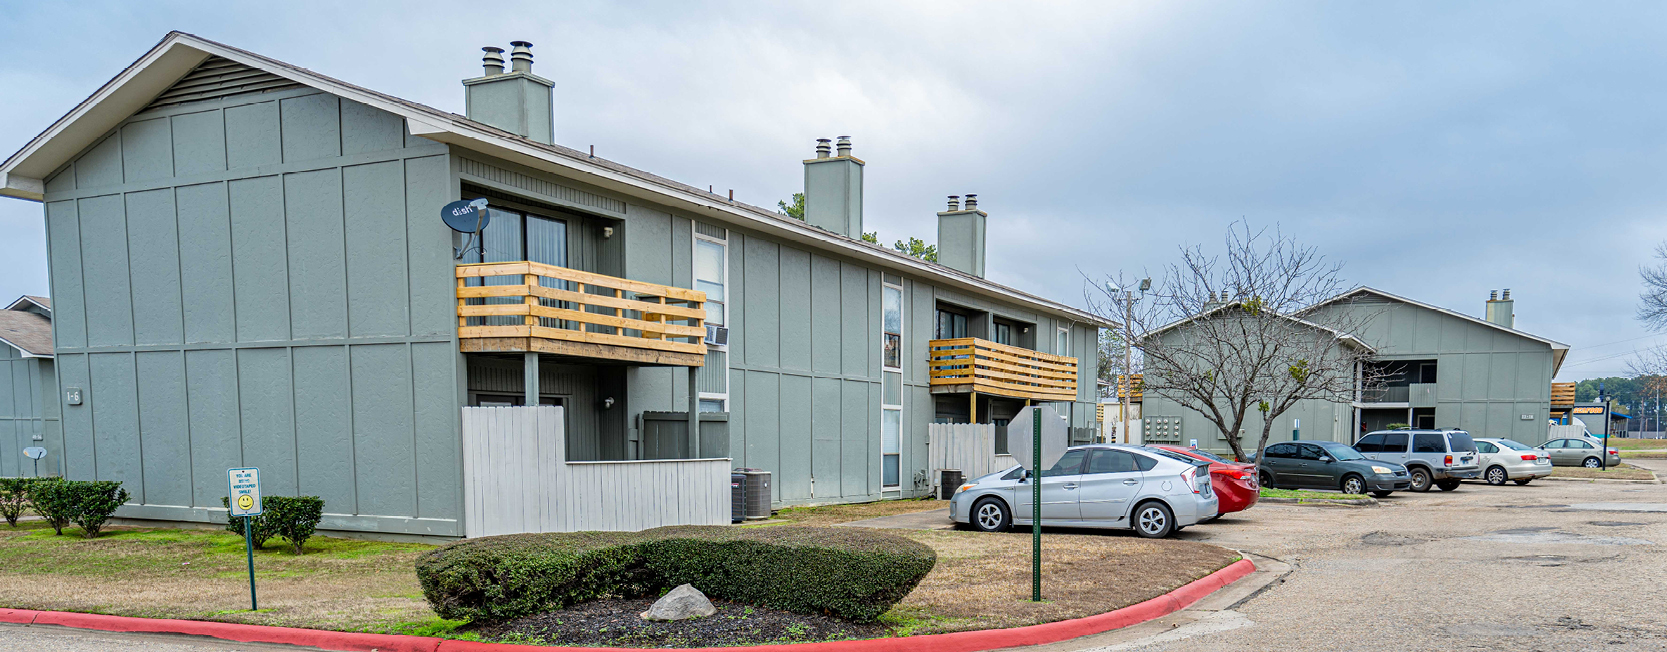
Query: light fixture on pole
point(1125, 386)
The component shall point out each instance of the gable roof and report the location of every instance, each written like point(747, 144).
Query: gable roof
point(26, 332)
point(23, 174)
point(1341, 336)
point(1559, 350)
point(24, 301)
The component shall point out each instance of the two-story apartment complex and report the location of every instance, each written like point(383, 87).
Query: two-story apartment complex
point(1438, 369)
point(250, 268)
point(28, 407)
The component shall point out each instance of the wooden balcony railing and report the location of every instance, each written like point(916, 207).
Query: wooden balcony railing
point(526, 306)
point(969, 364)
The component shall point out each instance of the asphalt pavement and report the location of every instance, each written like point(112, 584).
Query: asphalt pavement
point(1553, 566)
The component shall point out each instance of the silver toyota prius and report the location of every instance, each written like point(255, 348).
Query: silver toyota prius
point(1155, 492)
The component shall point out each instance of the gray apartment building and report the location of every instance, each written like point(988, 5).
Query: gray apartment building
point(249, 268)
point(28, 407)
point(1439, 369)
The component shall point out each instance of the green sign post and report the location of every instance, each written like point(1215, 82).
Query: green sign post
point(1036, 508)
point(245, 502)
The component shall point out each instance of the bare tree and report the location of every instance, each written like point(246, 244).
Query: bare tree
point(1652, 302)
point(1240, 336)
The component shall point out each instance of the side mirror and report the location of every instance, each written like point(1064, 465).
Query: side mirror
point(1325, 459)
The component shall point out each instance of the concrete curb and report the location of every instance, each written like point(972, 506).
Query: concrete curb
point(1657, 480)
point(1362, 502)
point(988, 639)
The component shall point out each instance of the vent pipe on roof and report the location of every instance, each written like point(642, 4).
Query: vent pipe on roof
point(833, 189)
point(954, 202)
point(517, 101)
point(493, 60)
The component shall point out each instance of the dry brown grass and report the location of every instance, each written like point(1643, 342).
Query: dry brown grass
point(834, 514)
point(202, 574)
point(983, 580)
point(1622, 472)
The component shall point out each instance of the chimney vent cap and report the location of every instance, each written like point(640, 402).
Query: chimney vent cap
point(954, 203)
point(823, 150)
point(521, 58)
point(844, 145)
point(972, 201)
point(493, 60)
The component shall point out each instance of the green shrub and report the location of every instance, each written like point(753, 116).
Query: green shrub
point(95, 501)
point(260, 530)
point(293, 517)
point(14, 496)
point(54, 500)
point(851, 573)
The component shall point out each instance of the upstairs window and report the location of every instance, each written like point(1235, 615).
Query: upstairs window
point(951, 325)
point(711, 275)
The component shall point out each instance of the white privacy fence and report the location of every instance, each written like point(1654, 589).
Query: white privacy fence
point(969, 447)
point(1561, 432)
point(516, 478)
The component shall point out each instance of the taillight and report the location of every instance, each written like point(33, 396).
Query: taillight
point(1530, 458)
point(1191, 476)
point(1449, 461)
point(1614, 451)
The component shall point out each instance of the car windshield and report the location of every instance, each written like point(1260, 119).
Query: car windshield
point(1209, 456)
point(1341, 451)
point(1514, 445)
point(1461, 441)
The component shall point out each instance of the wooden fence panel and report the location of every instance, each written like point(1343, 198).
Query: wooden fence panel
point(517, 479)
point(970, 447)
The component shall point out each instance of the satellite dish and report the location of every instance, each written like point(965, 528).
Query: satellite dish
point(467, 216)
point(34, 452)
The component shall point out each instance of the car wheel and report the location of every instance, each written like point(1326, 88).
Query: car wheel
point(1496, 476)
point(991, 515)
point(1447, 485)
point(1523, 482)
point(1382, 494)
point(1420, 480)
point(1592, 463)
point(1266, 479)
point(1353, 484)
point(1153, 520)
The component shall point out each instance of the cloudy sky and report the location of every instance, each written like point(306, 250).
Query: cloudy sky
point(1438, 149)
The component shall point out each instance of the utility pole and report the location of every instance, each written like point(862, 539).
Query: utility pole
point(1125, 388)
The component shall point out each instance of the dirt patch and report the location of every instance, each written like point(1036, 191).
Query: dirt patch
point(1622, 472)
point(617, 623)
point(1390, 539)
point(836, 514)
point(983, 580)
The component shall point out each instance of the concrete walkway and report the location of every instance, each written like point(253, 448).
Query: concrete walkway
point(937, 519)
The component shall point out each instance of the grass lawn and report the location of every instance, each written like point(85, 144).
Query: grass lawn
point(1309, 495)
point(832, 514)
point(1644, 454)
point(340, 584)
point(1631, 444)
point(1622, 472)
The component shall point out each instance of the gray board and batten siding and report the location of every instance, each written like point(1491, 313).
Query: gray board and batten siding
point(28, 410)
point(259, 279)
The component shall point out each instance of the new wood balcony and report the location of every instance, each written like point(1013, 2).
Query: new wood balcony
point(525, 306)
point(969, 364)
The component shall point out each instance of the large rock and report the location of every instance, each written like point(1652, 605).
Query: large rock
point(682, 603)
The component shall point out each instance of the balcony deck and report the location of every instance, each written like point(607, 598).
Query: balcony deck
point(969, 364)
point(578, 314)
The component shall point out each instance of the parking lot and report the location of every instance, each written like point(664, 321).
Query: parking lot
point(1550, 566)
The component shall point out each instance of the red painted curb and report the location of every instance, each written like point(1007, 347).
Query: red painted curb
point(988, 639)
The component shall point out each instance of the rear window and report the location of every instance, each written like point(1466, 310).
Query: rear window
point(1428, 442)
point(1462, 442)
point(1514, 445)
point(1211, 456)
point(1179, 457)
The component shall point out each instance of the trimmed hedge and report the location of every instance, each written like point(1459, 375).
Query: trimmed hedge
point(846, 572)
point(53, 500)
point(95, 501)
point(14, 496)
point(259, 530)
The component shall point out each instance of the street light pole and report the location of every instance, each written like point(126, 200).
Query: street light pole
point(1126, 387)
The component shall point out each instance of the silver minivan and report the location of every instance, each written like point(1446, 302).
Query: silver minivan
point(1153, 491)
point(1439, 458)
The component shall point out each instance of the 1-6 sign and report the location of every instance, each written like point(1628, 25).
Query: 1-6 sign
point(245, 491)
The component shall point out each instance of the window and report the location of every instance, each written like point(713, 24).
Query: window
point(1144, 463)
point(1004, 334)
point(1426, 372)
point(711, 274)
point(891, 390)
point(711, 404)
point(1576, 443)
point(1070, 464)
point(1282, 451)
point(1309, 452)
point(1111, 461)
point(1428, 442)
point(1395, 442)
point(514, 235)
point(1062, 341)
point(951, 325)
point(1515, 445)
point(1486, 447)
point(1370, 444)
point(1001, 435)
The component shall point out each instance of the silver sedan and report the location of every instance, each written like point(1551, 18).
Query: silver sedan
point(1509, 460)
point(1152, 491)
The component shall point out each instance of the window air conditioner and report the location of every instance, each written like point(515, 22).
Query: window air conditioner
point(717, 335)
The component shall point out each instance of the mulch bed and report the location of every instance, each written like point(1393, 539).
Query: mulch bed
point(616, 623)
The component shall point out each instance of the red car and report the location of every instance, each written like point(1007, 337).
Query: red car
point(1235, 483)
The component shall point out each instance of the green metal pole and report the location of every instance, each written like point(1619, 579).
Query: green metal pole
point(249, 549)
point(1036, 506)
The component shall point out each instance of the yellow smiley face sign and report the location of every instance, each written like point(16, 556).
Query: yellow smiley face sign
point(244, 491)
